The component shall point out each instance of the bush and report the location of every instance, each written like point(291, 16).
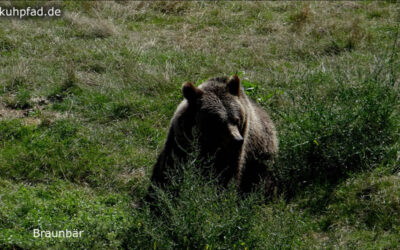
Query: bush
point(194, 213)
point(346, 129)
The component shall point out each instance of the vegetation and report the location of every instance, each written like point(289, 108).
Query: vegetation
point(86, 99)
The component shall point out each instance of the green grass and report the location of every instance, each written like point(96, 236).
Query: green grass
point(86, 100)
point(58, 206)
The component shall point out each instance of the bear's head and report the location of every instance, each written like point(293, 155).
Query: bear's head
point(218, 107)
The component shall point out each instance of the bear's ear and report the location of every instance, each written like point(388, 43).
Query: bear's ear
point(234, 85)
point(190, 92)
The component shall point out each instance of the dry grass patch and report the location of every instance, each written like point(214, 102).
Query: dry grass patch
point(8, 114)
point(87, 27)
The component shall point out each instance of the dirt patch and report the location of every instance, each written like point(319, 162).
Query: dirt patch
point(34, 115)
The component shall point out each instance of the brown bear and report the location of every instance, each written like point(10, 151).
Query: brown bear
point(234, 131)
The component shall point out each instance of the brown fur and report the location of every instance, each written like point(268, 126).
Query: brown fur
point(232, 129)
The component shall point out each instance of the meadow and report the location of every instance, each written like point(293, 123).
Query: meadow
point(86, 100)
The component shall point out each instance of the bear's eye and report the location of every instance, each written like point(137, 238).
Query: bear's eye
point(235, 120)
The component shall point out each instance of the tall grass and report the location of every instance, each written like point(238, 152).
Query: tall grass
point(193, 212)
point(348, 128)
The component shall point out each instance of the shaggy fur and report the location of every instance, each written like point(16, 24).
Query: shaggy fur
point(230, 129)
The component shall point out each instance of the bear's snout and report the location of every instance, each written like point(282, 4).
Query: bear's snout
point(235, 134)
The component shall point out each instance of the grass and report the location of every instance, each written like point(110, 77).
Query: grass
point(86, 100)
